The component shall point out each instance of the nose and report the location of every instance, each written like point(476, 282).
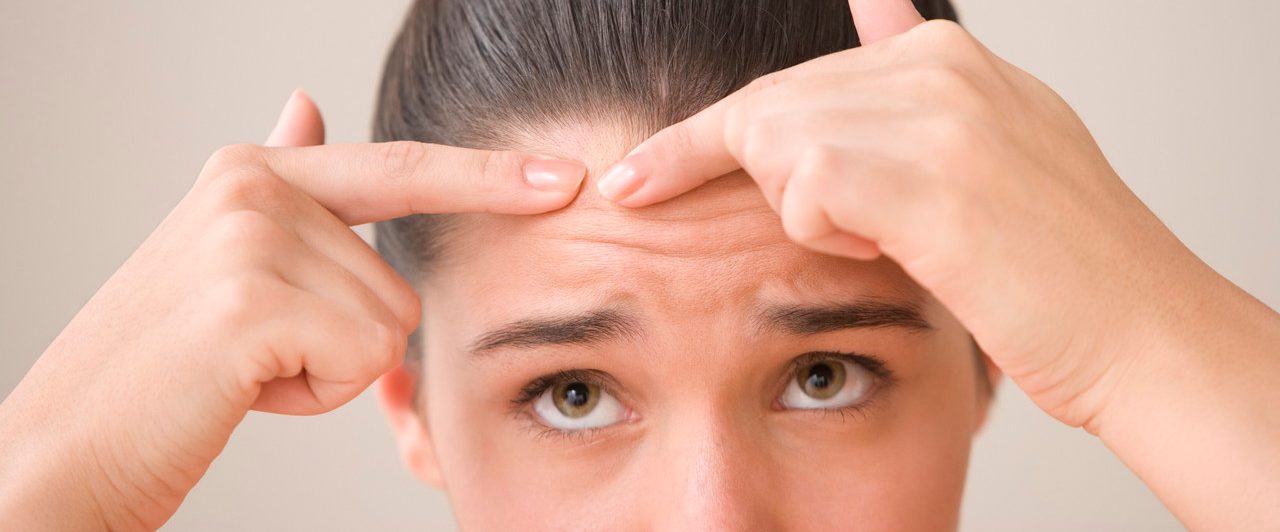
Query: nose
point(710, 473)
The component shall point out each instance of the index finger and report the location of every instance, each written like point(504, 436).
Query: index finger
point(362, 183)
point(687, 154)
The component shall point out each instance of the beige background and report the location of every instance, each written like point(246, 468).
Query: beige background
point(107, 111)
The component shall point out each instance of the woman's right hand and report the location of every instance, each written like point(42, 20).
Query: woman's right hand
point(253, 293)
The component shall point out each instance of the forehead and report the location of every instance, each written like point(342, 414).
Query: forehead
point(715, 249)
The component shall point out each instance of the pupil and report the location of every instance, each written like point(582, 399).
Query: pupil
point(576, 394)
point(820, 376)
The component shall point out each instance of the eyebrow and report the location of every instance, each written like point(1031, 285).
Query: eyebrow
point(802, 320)
point(594, 327)
point(605, 325)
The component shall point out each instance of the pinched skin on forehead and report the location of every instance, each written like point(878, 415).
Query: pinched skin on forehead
point(692, 274)
point(700, 251)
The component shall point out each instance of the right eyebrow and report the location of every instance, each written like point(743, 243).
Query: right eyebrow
point(593, 327)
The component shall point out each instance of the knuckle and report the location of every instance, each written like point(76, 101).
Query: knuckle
point(496, 169)
point(401, 158)
point(241, 299)
point(800, 222)
point(957, 45)
point(245, 186)
point(818, 160)
point(792, 229)
point(232, 156)
point(943, 31)
point(242, 236)
point(799, 193)
point(387, 345)
point(410, 308)
point(756, 138)
point(737, 121)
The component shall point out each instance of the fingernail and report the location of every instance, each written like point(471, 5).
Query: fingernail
point(623, 179)
point(289, 105)
point(554, 175)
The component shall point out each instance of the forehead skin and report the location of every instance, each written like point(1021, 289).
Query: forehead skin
point(716, 244)
point(702, 379)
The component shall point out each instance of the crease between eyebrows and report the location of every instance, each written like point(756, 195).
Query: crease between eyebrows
point(605, 325)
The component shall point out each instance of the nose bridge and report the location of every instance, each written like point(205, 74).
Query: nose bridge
point(715, 476)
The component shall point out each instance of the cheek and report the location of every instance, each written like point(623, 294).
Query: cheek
point(496, 470)
point(903, 467)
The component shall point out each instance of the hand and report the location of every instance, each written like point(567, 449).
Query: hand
point(988, 190)
point(976, 178)
point(253, 293)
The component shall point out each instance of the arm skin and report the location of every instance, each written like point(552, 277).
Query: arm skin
point(1195, 414)
point(985, 186)
point(254, 293)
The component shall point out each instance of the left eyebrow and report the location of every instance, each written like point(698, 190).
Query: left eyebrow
point(804, 320)
point(593, 327)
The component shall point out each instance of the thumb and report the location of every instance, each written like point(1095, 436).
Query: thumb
point(875, 20)
point(299, 124)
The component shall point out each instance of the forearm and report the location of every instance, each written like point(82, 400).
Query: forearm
point(1197, 413)
point(42, 484)
point(55, 471)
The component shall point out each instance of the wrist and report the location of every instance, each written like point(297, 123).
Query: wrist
point(1192, 408)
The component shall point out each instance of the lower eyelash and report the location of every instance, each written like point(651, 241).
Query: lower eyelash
point(861, 410)
point(522, 403)
point(541, 431)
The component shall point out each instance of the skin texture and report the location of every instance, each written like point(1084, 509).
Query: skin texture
point(1015, 221)
point(709, 448)
point(253, 293)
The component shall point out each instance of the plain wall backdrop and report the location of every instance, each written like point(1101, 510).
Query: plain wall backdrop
point(109, 109)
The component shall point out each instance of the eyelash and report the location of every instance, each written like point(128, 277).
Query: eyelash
point(521, 405)
point(883, 380)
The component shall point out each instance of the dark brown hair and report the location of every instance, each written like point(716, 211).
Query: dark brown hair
point(476, 73)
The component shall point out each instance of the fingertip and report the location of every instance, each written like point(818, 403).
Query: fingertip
point(555, 175)
point(545, 184)
point(299, 124)
point(620, 181)
point(632, 183)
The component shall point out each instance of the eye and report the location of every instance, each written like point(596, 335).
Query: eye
point(829, 383)
point(575, 405)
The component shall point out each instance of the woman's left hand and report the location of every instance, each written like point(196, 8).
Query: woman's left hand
point(989, 191)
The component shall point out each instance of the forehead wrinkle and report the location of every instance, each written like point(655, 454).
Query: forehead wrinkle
point(666, 251)
point(725, 217)
point(732, 233)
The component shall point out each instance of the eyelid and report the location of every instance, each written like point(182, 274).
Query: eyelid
point(531, 391)
point(871, 363)
point(883, 382)
point(522, 407)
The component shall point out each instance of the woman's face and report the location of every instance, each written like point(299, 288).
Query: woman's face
point(684, 366)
